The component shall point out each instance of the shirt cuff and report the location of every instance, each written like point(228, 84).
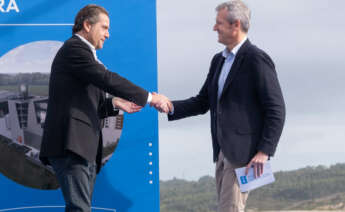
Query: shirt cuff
point(172, 110)
point(113, 103)
point(149, 98)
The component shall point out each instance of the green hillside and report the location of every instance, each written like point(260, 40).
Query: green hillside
point(310, 188)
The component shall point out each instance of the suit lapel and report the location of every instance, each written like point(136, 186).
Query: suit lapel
point(219, 66)
point(235, 68)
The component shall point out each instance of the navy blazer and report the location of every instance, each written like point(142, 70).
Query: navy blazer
point(77, 102)
point(250, 113)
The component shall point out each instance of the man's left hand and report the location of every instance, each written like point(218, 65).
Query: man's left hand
point(125, 105)
point(257, 162)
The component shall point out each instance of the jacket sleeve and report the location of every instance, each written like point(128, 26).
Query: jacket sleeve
point(106, 108)
point(271, 100)
point(196, 105)
point(84, 67)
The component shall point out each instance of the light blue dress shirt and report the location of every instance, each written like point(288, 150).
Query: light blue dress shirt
point(229, 60)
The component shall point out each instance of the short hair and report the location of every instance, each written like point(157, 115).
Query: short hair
point(237, 10)
point(88, 13)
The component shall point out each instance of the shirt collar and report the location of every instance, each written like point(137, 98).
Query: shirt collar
point(226, 53)
point(93, 49)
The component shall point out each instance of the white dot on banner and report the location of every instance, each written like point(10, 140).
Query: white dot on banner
point(150, 144)
point(150, 181)
point(150, 163)
point(150, 172)
point(150, 153)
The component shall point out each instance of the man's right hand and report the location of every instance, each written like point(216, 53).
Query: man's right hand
point(257, 163)
point(161, 103)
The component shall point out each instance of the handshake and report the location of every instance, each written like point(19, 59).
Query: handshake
point(159, 101)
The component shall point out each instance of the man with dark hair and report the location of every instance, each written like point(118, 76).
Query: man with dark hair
point(90, 13)
point(245, 101)
point(72, 138)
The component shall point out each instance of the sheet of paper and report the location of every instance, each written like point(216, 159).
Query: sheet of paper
point(249, 182)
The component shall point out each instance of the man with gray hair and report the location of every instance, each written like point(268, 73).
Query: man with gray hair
point(245, 101)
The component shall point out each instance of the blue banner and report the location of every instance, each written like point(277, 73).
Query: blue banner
point(31, 32)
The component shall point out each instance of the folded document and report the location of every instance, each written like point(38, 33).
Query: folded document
point(249, 182)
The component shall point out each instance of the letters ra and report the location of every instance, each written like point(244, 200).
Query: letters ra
point(8, 6)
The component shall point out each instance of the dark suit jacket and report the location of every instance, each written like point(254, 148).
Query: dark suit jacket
point(250, 114)
point(77, 102)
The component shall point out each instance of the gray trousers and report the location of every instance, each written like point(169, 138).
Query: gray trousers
point(230, 198)
point(76, 177)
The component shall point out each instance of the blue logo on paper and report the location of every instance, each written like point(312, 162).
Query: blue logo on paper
point(244, 179)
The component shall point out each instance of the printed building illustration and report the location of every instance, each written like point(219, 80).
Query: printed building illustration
point(22, 119)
